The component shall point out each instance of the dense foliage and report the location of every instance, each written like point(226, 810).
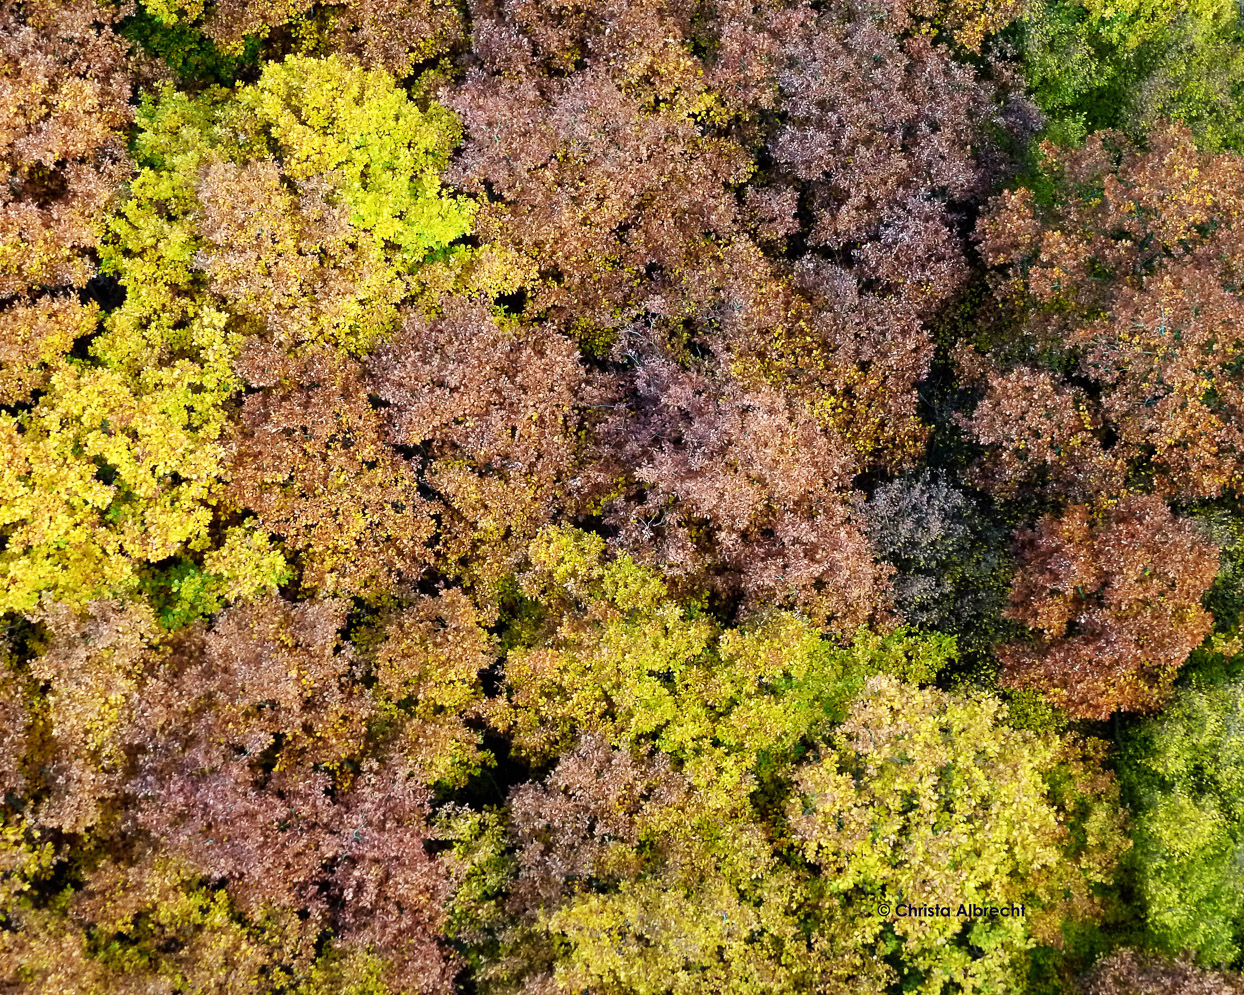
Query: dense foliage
point(1184, 770)
point(524, 497)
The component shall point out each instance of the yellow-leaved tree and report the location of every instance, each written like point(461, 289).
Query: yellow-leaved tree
point(291, 213)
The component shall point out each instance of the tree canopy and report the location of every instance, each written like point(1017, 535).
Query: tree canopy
point(538, 497)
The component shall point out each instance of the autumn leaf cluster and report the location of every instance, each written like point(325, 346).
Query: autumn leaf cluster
point(544, 496)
